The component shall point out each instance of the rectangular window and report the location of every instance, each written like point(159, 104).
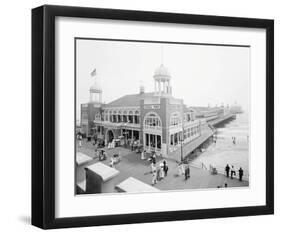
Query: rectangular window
point(158, 142)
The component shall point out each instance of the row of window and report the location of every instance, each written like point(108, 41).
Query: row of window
point(151, 119)
point(153, 141)
point(191, 131)
point(175, 119)
point(121, 112)
point(175, 138)
point(188, 117)
point(122, 118)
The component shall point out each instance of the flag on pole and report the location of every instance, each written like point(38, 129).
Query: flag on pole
point(94, 72)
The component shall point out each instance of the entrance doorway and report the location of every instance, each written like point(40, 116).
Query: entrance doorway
point(109, 136)
point(152, 142)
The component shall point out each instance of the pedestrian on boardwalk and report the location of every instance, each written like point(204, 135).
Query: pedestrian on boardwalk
point(227, 169)
point(240, 173)
point(154, 178)
point(166, 168)
point(181, 172)
point(162, 174)
point(232, 172)
point(111, 162)
point(154, 158)
point(143, 155)
point(79, 137)
point(153, 167)
point(187, 172)
point(158, 173)
point(132, 145)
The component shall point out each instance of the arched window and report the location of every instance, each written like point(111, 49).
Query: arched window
point(119, 116)
point(130, 117)
point(98, 117)
point(175, 119)
point(152, 120)
point(137, 117)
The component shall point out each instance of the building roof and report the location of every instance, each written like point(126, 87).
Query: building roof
point(105, 172)
point(203, 108)
point(187, 109)
point(128, 100)
point(133, 185)
point(82, 158)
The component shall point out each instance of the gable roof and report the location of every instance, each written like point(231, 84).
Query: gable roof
point(128, 100)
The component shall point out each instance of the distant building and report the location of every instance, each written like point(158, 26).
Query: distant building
point(157, 120)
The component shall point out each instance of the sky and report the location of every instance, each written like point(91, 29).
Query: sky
point(200, 74)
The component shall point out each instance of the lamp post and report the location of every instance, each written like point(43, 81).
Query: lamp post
point(181, 141)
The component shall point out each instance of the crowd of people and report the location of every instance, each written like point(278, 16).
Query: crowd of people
point(232, 171)
point(184, 170)
point(159, 171)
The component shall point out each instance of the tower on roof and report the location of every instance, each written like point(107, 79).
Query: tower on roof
point(142, 89)
point(162, 79)
point(95, 89)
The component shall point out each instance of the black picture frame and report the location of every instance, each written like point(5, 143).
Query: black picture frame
point(43, 116)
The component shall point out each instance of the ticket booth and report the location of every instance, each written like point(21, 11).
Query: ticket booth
point(100, 178)
point(133, 185)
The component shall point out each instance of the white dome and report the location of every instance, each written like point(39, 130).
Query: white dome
point(162, 73)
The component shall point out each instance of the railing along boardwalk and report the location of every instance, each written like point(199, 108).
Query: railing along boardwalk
point(220, 170)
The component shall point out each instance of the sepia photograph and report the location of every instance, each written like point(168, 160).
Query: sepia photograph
point(154, 116)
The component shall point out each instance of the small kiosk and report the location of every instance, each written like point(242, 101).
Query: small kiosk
point(99, 178)
point(132, 185)
point(82, 160)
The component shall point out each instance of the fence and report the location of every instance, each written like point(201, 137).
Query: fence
point(220, 170)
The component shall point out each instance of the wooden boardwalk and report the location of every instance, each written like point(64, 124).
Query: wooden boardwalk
point(133, 166)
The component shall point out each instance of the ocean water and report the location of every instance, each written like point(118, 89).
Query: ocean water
point(224, 151)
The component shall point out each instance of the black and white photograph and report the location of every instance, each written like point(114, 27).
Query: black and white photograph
point(145, 116)
point(154, 116)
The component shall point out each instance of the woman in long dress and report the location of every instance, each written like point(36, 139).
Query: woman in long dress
point(154, 177)
point(142, 155)
point(153, 167)
point(162, 174)
point(180, 169)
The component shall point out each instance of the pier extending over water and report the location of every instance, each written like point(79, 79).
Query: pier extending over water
point(222, 120)
point(207, 132)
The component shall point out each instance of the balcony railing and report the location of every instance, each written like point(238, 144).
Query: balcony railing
point(117, 124)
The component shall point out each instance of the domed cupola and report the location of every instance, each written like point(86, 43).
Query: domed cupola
point(162, 81)
point(95, 89)
point(162, 74)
